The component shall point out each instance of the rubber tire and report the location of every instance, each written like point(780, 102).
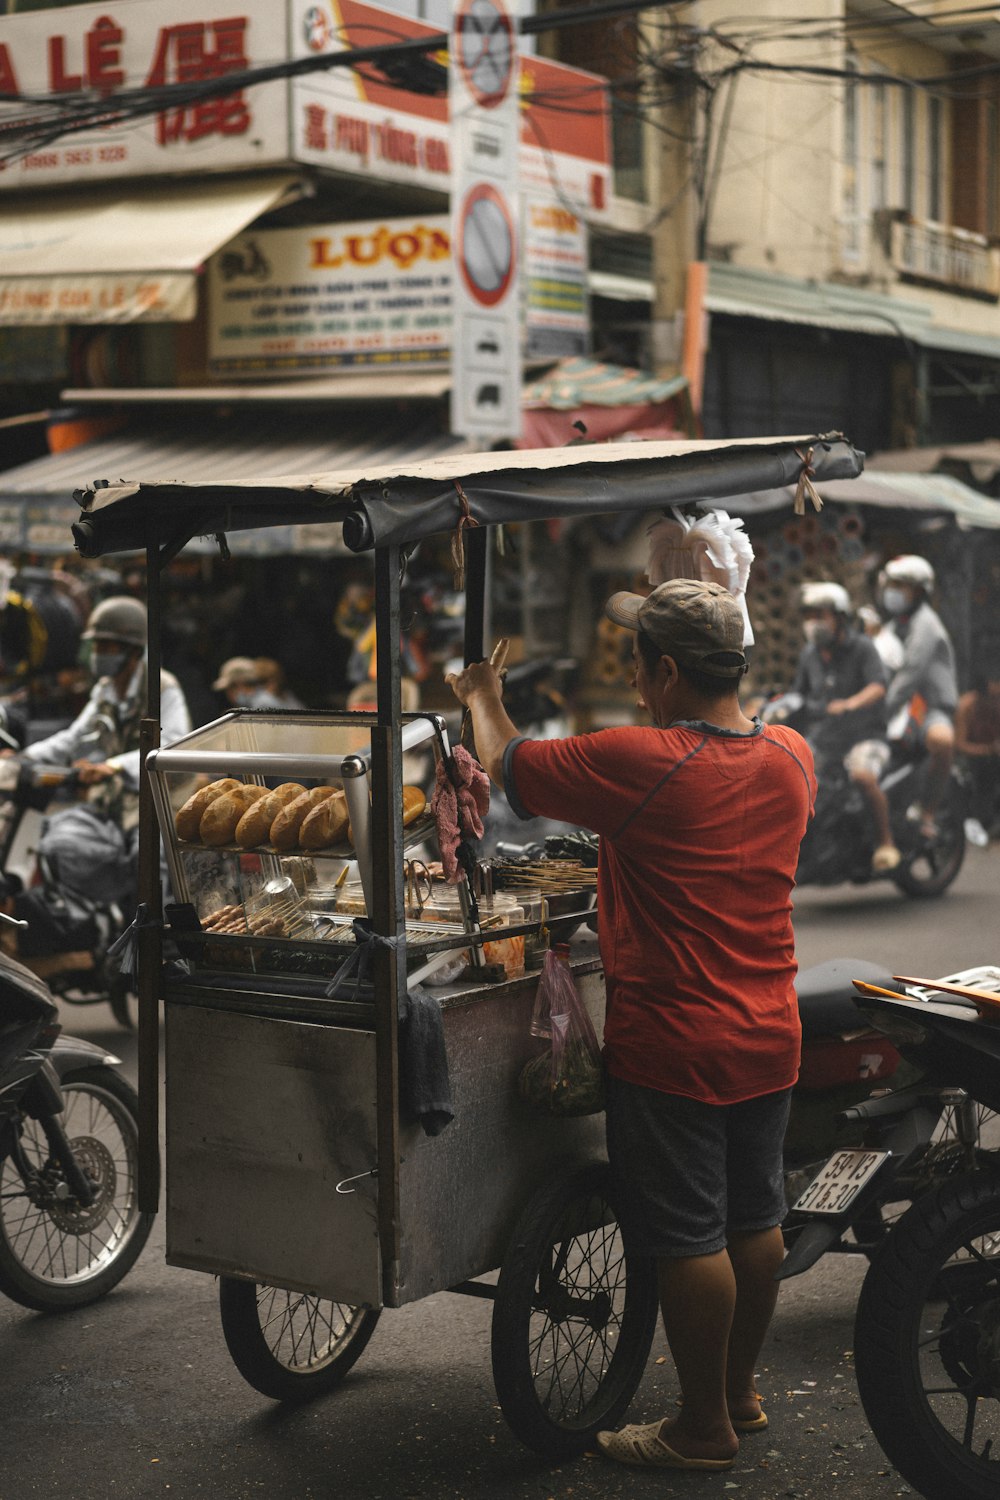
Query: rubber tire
point(890, 1311)
point(512, 1311)
point(255, 1361)
point(32, 1291)
point(951, 818)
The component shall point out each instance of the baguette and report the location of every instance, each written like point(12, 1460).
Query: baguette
point(219, 820)
point(285, 828)
point(325, 824)
point(255, 825)
point(187, 820)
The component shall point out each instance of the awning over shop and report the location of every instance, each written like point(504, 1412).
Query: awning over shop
point(981, 459)
point(927, 494)
point(128, 255)
point(37, 508)
point(391, 503)
point(611, 401)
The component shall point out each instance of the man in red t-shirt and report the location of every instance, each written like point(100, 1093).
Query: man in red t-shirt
point(700, 817)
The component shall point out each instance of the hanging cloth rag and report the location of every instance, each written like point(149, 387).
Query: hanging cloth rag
point(460, 802)
point(424, 1084)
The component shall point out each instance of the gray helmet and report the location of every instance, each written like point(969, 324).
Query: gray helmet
point(120, 618)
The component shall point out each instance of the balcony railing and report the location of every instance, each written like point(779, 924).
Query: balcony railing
point(954, 258)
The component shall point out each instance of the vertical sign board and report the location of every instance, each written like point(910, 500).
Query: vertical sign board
point(485, 133)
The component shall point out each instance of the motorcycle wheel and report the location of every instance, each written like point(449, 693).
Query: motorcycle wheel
point(55, 1254)
point(929, 866)
point(289, 1345)
point(927, 1342)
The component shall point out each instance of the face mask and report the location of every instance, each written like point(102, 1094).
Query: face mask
point(896, 601)
point(818, 634)
point(244, 698)
point(108, 663)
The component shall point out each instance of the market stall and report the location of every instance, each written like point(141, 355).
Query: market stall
point(300, 1162)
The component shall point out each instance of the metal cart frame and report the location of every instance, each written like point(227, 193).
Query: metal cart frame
point(387, 510)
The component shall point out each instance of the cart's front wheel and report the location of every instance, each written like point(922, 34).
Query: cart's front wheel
point(289, 1345)
point(573, 1318)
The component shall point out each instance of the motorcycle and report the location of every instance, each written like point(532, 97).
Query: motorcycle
point(70, 1225)
point(927, 1333)
point(840, 840)
point(66, 935)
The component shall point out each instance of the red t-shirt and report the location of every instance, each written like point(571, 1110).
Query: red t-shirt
point(700, 830)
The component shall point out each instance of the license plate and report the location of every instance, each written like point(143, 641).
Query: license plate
point(840, 1182)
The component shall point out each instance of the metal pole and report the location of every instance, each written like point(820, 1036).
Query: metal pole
point(150, 936)
point(388, 914)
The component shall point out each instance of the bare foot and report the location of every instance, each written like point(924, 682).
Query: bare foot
point(720, 1442)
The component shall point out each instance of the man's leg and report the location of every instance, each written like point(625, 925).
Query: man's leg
point(698, 1296)
point(755, 1260)
point(940, 743)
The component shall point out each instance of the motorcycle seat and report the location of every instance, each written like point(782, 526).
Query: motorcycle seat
point(825, 992)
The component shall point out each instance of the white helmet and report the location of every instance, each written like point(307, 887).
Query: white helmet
point(910, 569)
point(826, 596)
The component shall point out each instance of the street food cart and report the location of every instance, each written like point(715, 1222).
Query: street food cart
point(294, 1169)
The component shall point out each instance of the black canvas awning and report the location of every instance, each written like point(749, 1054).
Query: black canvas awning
point(395, 504)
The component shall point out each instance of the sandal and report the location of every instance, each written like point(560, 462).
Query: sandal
point(885, 859)
point(642, 1448)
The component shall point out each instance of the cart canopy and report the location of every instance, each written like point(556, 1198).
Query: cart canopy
point(380, 507)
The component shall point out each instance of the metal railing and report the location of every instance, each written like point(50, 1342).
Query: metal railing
point(958, 259)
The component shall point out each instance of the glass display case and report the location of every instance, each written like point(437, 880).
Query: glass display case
point(266, 825)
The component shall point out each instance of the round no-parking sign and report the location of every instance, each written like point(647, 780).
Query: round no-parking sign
point(486, 243)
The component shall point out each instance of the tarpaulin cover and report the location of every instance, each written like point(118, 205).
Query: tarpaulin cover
point(403, 504)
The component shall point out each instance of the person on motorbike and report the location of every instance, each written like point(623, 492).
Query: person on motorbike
point(841, 680)
point(923, 692)
point(102, 744)
point(239, 679)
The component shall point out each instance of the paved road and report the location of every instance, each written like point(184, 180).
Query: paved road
point(136, 1397)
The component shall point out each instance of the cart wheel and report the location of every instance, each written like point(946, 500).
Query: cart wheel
point(288, 1345)
point(573, 1318)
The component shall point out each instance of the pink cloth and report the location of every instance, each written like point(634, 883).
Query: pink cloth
point(461, 810)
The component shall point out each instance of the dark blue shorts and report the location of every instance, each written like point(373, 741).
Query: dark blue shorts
point(689, 1173)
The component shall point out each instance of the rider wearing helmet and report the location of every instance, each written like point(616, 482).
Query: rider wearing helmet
point(102, 742)
point(923, 692)
point(841, 680)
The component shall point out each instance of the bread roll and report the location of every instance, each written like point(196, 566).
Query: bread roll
point(187, 820)
point(414, 803)
point(285, 828)
point(255, 825)
point(325, 824)
point(219, 820)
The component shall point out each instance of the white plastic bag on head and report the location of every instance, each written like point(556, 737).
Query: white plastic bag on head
point(712, 547)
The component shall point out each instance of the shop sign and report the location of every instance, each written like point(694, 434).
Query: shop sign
point(122, 298)
point(100, 49)
point(557, 309)
point(355, 123)
point(373, 293)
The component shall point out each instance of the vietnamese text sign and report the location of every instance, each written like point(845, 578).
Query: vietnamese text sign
point(372, 293)
point(89, 50)
point(556, 300)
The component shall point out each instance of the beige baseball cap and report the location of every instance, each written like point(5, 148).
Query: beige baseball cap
point(236, 669)
point(699, 624)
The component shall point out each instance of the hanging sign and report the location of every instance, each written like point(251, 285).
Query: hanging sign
point(485, 220)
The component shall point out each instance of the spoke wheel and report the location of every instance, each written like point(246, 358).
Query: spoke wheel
point(929, 866)
point(291, 1346)
point(56, 1252)
point(927, 1342)
point(573, 1318)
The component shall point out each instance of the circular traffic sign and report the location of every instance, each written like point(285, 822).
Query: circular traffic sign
point(487, 50)
point(486, 247)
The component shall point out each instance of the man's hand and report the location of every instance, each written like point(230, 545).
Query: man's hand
point(838, 706)
point(479, 678)
point(90, 772)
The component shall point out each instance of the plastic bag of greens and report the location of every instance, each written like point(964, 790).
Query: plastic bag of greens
point(567, 1078)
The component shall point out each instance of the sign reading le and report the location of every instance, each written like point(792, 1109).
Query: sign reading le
point(487, 238)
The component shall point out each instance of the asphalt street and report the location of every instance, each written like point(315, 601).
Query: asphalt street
point(137, 1397)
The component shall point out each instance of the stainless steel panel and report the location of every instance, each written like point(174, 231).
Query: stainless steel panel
point(264, 1118)
point(462, 1192)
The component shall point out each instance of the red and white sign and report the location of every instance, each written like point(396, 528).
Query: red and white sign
point(89, 50)
point(358, 123)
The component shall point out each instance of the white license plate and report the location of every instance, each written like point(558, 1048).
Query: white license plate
point(840, 1182)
